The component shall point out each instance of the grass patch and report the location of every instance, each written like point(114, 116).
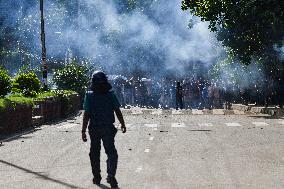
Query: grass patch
point(44, 95)
point(54, 93)
point(13, 100)
point(20, 99)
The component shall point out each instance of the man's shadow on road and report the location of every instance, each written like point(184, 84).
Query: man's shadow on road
point(45, 177)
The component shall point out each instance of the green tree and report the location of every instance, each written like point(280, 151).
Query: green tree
point(27, 84)
point(72, 77)
point(251, 28)
point(5, 82)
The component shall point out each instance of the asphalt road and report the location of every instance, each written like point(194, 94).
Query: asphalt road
point(159, 151)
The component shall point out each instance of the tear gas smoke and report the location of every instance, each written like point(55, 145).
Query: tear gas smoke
point(153, 41)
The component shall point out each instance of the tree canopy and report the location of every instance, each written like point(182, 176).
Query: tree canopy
point(251, 28)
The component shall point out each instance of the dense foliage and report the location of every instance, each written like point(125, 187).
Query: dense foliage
point(5, 82)
point(251, 28)
point(72, 77)
point(27, 84)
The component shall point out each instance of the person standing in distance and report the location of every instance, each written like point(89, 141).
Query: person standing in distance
point(99, 106)
point(179, 96)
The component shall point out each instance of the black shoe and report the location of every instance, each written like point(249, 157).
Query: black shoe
point(97, 180)
point(112, 181)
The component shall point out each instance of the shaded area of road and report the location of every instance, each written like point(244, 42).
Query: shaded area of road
point(38, 174)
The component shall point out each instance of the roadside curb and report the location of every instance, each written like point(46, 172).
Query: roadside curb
point(250, 109)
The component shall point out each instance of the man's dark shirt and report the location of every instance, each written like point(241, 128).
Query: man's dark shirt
point(100, 107)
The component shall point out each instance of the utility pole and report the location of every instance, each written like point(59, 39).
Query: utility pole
point(43, 49)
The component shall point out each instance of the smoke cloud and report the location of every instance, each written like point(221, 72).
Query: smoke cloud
point(98, 30)
point(152, 41)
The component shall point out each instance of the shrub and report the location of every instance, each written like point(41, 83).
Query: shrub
point(72, 77)
point(5, 82)
point(27, 84)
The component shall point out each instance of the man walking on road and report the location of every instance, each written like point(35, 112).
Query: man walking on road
point(99, 105)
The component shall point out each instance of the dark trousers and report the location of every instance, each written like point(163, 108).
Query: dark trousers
point(106, 135)
point(179, 103)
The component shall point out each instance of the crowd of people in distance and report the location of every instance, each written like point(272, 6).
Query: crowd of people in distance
point(193, 93)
